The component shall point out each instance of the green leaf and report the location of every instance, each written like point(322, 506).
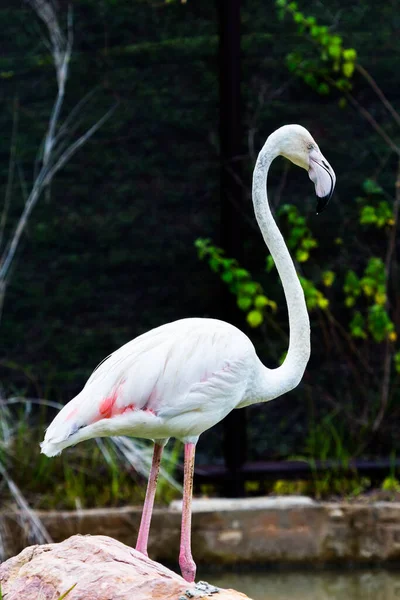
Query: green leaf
point(309, 243)
point(334, 51)
point(352, 284)
point(350, 55)
point(370, 186)
point(368, 286)
point(322, 302)
point(384, 214)
point(293, 60)
point(214, 264)
point(302, 255)
point(64, 595)
point(379, 323)
point(328, 277)
point(244, 302)
point(357, 326)
point(336, 40)
point(342, 84)
point(397, 362)
point(255, 318)
point(241, 273)
point(249, 288)
point(227, 262)
point(227, 276)
point(269, 263)
point(310, 79)
point(323, 89)
point(367, 215)
point(348, 69)
point(261, 301)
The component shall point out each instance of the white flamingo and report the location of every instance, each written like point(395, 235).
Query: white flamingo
point(181, 378)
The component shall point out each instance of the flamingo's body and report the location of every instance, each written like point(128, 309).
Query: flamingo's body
point(174, 381)
point(184, 377)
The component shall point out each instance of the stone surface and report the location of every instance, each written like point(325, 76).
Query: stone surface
point(261, 503)
point(101, 568)
point(255, 530)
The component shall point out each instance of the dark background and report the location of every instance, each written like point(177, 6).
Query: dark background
point(109, 253)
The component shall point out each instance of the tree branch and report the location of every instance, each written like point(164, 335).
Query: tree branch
point(55, 155)
point(378, 92)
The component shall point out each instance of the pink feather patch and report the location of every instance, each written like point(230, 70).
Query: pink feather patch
point(128, 408)
point(107, 405)
point(73, 413)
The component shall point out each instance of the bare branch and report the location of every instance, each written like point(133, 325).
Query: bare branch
point(367, 115)
point(390, 108)
point(77, 144)
point(71, 121)
point(54, 153)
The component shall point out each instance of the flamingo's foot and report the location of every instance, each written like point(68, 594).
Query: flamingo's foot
point(188, 567)
point(142, 549)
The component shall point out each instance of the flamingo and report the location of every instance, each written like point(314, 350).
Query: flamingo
point(182, 378)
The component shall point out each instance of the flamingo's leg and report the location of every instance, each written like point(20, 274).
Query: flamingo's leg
point(143, 536)
point(186, 562)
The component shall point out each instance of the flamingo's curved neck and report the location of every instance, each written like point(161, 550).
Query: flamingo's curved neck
point(275, 382)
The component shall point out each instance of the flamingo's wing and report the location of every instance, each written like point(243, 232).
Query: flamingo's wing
point(159, 371)
point(185, 366)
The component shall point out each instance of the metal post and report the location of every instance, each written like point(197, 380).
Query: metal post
point(231, 206)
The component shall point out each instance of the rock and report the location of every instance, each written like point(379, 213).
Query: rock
point(100, 568)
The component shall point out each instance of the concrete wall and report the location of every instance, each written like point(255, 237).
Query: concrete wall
point(255, 530)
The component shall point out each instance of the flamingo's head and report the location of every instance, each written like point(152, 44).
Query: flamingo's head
point(298, 145)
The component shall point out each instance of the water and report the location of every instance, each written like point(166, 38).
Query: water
point(312, 585)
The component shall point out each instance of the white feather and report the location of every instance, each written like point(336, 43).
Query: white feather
point(182, 378)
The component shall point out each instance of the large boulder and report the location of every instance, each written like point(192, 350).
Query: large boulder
point(100, 568)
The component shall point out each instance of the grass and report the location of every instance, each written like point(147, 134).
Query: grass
point(108, 472)
point(96, 473)
point(65, 594)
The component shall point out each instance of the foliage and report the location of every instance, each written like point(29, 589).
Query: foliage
point(282, 487)
point(334, 67)
point(249, 294)
point(300, 238)
point(370, 289)
point(366, 296)
point(65, 594)
point(323, 486)
point(359, 321)
point(88, 476)
point(391, 484)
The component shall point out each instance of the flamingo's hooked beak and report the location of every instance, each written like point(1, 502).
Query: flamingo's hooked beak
point(323, 176)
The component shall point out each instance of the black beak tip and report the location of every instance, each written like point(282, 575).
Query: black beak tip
point(323, 202)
